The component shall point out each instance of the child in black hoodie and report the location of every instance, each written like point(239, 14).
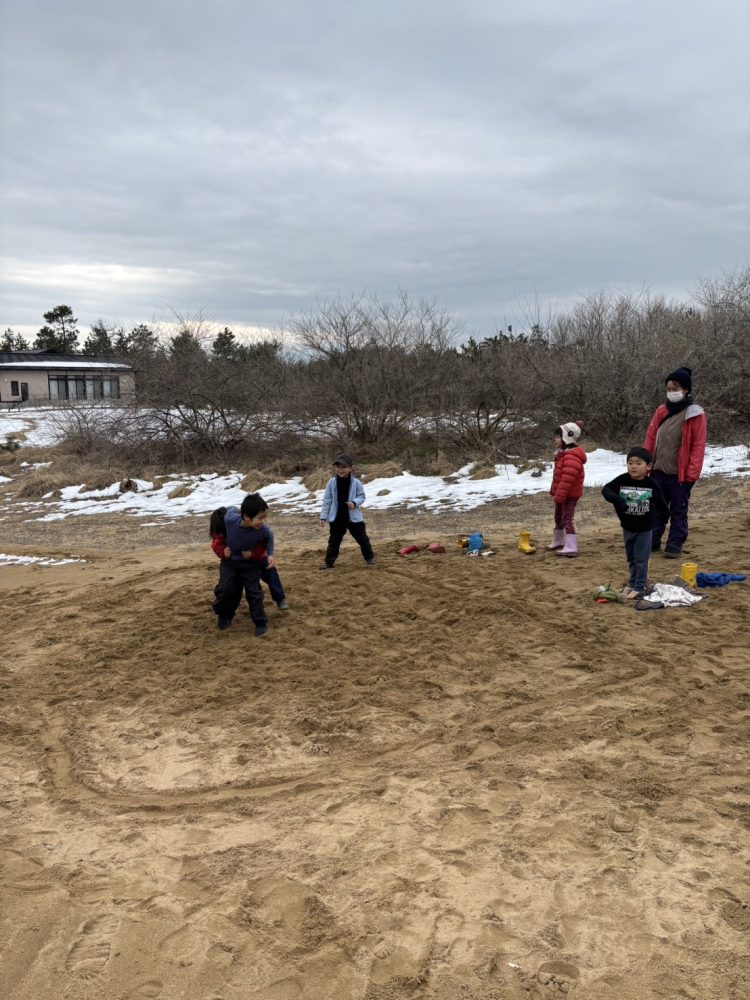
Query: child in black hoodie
point(635, 496)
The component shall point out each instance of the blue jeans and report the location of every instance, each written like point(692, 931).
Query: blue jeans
point(637, 550)
point(273, 581)
point(677, 496)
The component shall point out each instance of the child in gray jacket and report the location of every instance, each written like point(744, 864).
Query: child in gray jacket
point(342, 511)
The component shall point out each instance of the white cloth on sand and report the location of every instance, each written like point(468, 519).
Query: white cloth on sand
point(671, 596)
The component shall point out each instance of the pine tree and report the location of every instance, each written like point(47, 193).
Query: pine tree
point(60, 333)
point(100, 339)
point(225, 345)
point(11, 341)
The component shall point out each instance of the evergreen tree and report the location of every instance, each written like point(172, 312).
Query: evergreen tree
point(143, 341)
point(185, 347)
point(100, 339)
point(225, 345)
point(60, 332)
point(11, 341)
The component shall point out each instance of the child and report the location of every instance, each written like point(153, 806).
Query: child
point(636, 498)
point(268, 574)
point(250, 545)
point(342, 503)
point(567, 487)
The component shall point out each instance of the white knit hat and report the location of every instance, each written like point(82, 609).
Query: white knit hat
point(570, 433)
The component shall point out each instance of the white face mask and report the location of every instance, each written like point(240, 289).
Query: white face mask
point(675, 397)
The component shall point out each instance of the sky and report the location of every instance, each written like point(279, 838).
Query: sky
point(250, 161)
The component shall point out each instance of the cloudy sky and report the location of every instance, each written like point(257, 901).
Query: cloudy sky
point(250, 160)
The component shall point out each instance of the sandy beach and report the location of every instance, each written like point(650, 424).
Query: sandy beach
point(440, 777)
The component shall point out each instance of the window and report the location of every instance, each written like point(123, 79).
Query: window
point(14, 388)
point(78, 386)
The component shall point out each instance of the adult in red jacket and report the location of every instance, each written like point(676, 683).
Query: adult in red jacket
point(567, 487)
point(676, 437)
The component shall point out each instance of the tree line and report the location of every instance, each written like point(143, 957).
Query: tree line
point(393, 379)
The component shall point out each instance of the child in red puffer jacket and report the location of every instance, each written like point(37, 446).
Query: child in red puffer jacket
point(567, 487)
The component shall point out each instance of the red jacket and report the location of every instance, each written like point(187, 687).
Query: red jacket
point(693, 445)
point(567, 479)
point(219, 543)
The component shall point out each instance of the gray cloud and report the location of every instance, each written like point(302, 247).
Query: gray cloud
point(254, 158)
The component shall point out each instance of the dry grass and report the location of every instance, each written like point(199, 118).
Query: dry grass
point(483, 470)
point(8, 460)
point(253, 481)
point(317, 479)
point(179, 491)
point(39, 482)
point(382, 470)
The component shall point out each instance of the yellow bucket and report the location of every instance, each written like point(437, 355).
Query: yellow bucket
point(688, 572)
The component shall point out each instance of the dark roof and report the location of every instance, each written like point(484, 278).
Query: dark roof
point(41, 359)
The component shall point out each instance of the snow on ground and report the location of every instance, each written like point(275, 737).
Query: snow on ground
point(459, 492)
point(206, 492)
point(6, 560)
point(38, 424)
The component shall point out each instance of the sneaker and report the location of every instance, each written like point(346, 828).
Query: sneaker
point(670, 554)
point(282, 606)
point(260, 630)
point(326, 566)
point(370, 562)
point(223, 623)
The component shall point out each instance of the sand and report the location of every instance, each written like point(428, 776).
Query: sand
point(439, 777)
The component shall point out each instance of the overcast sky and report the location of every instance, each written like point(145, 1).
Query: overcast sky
point(252, 159)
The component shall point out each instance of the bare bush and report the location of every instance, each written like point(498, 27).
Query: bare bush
point(372, 364)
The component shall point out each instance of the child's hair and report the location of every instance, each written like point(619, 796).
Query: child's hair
point(570, 433)
point(643, 453)
point(253, 504)
point(216, 525)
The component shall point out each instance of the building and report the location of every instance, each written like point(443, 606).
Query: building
point(33, 377)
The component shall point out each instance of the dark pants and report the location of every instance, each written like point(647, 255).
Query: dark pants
point(234, 577)
point(337, 530)
point(637, 551)
point(677, 496)
point(564, 513)
point(271, 579)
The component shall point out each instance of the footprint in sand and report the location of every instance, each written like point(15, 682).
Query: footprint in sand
point(150, 990)
point(558, 976)
point(736, 914)
point(91, 950)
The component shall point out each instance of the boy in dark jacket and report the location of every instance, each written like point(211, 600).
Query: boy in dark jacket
point(636, 498)
point(250, 544)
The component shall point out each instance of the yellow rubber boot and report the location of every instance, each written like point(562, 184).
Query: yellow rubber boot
point(524, 543)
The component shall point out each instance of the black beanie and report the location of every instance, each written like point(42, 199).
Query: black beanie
point(643, 453)
point(684, 376)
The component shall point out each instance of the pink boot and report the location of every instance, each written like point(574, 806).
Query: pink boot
point(570, 548)
point(558, 539)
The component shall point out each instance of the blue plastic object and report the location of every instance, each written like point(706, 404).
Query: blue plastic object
point(475, 541)
point(718, 579)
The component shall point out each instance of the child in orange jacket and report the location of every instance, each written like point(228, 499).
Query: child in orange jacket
point(567, 487)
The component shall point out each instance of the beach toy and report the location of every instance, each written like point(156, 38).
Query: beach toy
point(524, 543)
point(475, 540)
point(462, 543)
point(435, 548)
point(688, 572)
point(408, 550)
